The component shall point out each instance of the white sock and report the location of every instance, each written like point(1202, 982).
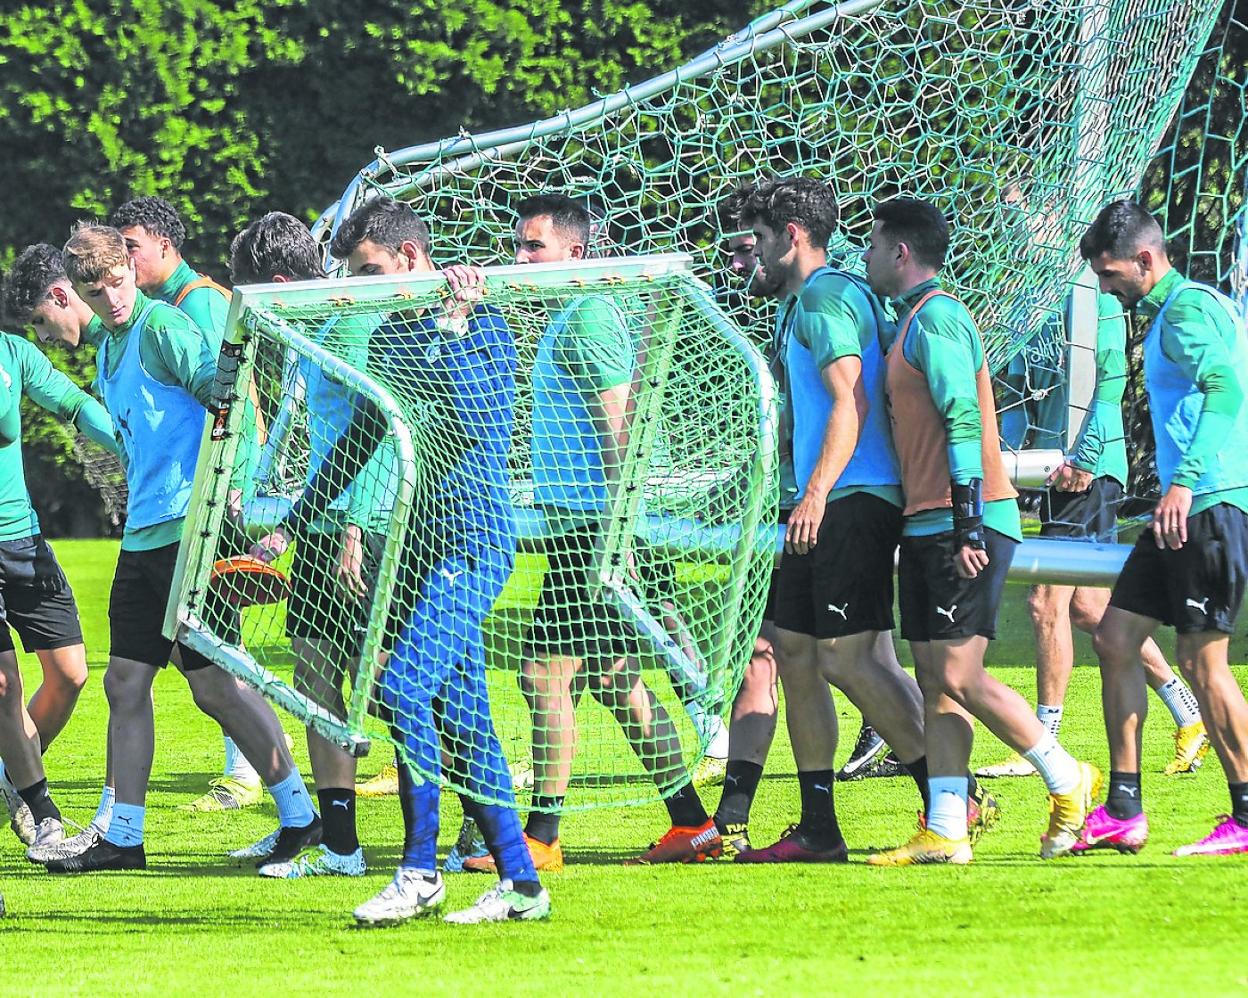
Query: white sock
point(946, 814)
point(717, 747)
point(1050, 717)
point(1180, 701)
point(236, 764)
point(294, 807)
point(126, 826)
point(1056, 766)
point(104, 813)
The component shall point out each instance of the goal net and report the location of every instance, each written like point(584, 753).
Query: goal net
point(1020, 118)
point(479, 524)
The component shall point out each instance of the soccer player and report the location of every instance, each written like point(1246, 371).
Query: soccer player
point(335, 562)
point(958, 538)
point(1082, 503)
point(455, 371)
point(156, 370)
point(582, 383)
point(1189, 570)
point(35, 598)
point(154, 234)
point(848, 511)
point(38, 294)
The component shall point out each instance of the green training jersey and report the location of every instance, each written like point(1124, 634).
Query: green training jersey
point(24, 370)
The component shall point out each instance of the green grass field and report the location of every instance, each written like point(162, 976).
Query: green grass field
point(1007, 925)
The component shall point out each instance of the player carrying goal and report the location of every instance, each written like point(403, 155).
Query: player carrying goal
point(455, 373)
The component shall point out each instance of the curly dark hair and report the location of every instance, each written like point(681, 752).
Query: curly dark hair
point(156, 215)
point(803, 201)
point(28, 281)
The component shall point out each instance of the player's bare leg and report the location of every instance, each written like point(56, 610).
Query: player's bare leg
point(319, 673)
point(1054, 610)
point(750, 734)
point(64, 676)
point(957, 688)
point(34, 817)
point(812, 723)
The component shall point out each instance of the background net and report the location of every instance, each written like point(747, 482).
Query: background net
point(1020, 118)
point(647, 593)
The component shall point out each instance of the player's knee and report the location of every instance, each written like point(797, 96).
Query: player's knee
point(760, 674)
point(124, 689)
point(1041, 605)
point(835, 666)
point(214, 695)
point(70, 678)
point(1086, 611)
point(1112, 645)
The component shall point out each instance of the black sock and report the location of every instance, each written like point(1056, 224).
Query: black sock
point(543, 824)
point(39, 801)
point(740, 786)
point(818, 822)
point(972, 785)
point(1239, 802)
point(685, 808)
point(527, 888)
point(338, 820)
point(1123, 801)
point(918, 771)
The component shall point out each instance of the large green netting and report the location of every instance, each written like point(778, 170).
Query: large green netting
point(1019, 118)
point(499, 580)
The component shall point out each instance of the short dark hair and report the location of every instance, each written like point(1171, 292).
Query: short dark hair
point(156, 215)
point(276, 244)
point(568, 216)
point(384, 221)
point(27, 283)
point(920, 225)
point(1119, 230)
point(803, 201)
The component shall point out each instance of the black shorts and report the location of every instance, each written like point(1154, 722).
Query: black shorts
point(45, 615)
point(844, 585)
point(571, 618)
point(939, 605)
point(769, 611)
point(1197, 588)
point(1090, 515)
point(317, 609)
point(142, 588)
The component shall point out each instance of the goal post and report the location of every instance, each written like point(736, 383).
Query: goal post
point(678, 555)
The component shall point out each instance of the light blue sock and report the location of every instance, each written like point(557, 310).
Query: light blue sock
point(126, 826)
point(294, 807)
point(104, 813)
point(946, 814)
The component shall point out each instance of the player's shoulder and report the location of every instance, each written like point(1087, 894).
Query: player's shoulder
point(831, 288)
point(166, 315)
point(1198, 304)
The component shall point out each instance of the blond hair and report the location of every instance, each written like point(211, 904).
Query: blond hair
point(92, 252)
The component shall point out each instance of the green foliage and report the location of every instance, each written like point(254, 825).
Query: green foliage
point(229, 108)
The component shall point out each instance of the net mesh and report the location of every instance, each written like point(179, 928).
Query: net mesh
point(546, 518)
point(1020, 119)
